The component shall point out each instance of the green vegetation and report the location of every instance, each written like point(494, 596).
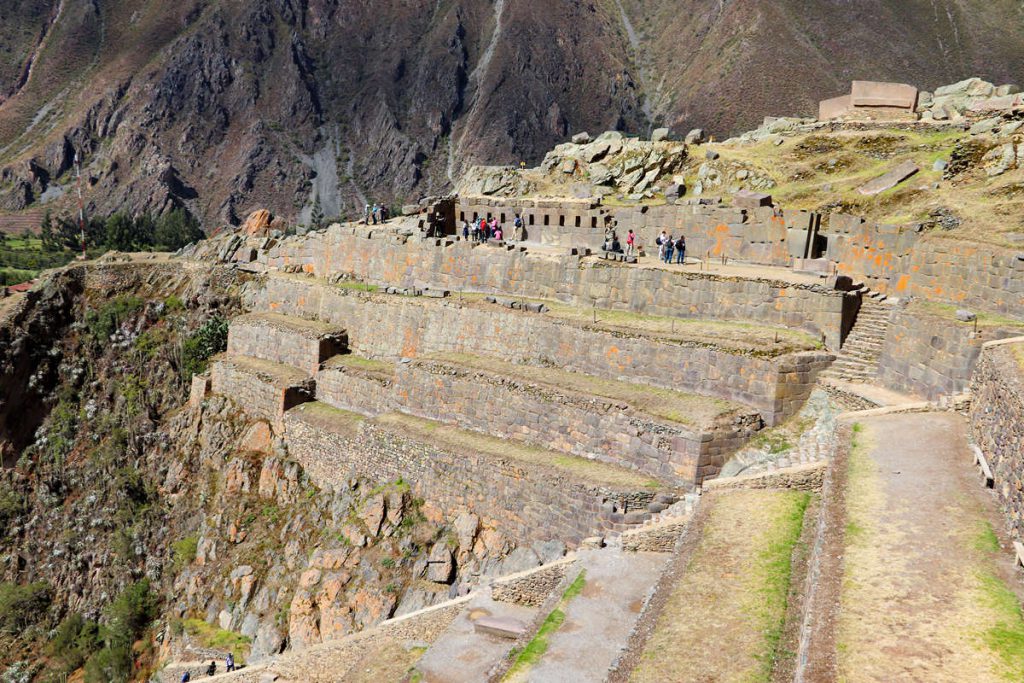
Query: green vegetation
point(184, 551)
point(74, 641)
point(11, 505)
point(948, 312)
point(777, 569)
point(22, 605)
point(218, 639)
point(1006, 638)
point(535, 649)
point(104, 321)
point(125, 621)
point(356, 286)
point(211, 338)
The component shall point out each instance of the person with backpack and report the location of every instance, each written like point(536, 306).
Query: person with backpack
point(630, 242)
point(186, 677)
point(668, 249)
point(229, 662)
point(681, 250)
point(212, 669)
point(518, 224)
point(483, 229)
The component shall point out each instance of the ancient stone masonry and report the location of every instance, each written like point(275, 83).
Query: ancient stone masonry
point(933, 355)
point(531, 503)
point(997, 423)
point(415, 262)
point(287, 340)
point(899, 260)
point(394, 327)
point(501, 403)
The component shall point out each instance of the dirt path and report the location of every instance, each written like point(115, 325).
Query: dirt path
point(925, 592)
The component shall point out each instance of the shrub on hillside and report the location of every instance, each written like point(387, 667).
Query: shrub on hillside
point(211, 338)
point(22, 605)
point(126, 620)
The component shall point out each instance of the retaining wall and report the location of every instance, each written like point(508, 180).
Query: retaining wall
point(584, 425)
point(528, 503)
point(303, 346)
point(997, 424)
point(416, 262)
point(395, 327)
point(930, 355)
point(261, 395)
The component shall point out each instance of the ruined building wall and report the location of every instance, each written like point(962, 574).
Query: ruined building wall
point(393, 327)
point(997, 424)
point(494, 269)
point(530, 505)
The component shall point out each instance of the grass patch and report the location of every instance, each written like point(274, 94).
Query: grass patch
point(948, 312)
point(535, 649)
point(446, 436)
point(184, 551)
point(210, 636)
point(783, 437)
point(356, 286)
point(1018, 352)
point(369, 365)
point(1006, 638)
point(776, 560)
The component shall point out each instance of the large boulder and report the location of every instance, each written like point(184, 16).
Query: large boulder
point(258, 223)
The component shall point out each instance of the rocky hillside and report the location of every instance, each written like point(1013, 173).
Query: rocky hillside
point(219, 106)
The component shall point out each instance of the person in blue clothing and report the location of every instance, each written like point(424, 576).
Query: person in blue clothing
point(681, 250)
point(668, 249)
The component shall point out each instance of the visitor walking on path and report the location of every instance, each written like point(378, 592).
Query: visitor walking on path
point(373, 213)
point(681, 250)
point(668, 249)
point(229, 662)
point(366, 215)
point(630, 242)
point(212, 669)
point(465, 230)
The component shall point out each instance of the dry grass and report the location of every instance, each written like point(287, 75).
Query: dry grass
point(674, 406)
point(1018, 352)
point(447, 436)
point(724, 617)
point(948, 312)
point(893, 624)
point(377, 368)
point(989, 207)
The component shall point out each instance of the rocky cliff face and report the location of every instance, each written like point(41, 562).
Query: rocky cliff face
point(222, 106)
point(110, 477)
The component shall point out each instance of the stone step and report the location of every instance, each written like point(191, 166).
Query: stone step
point(300, 343)
point(262, 388)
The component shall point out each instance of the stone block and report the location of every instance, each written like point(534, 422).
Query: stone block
point(889, 180)
point(834, 107)
point(879, 94)
point(747, 199)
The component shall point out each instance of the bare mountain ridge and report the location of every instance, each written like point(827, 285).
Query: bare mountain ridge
point(223, 106)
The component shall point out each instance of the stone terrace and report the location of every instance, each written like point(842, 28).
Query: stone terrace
point(296, 342)
point(642, 349)
point(669, 434)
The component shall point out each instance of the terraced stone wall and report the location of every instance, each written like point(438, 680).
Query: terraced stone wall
point(902, 261)
point(393, 327)
point(932, 356)
point(584, 425)
point(997, 424)
point(260, 396)
point(527, 504)
point(416, 262)
point(249, 336)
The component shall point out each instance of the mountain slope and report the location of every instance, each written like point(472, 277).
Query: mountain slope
point(225, 106)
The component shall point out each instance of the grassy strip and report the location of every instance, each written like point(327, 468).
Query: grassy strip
point(215, 638)
point(948, 312)
point(777, 563)
point(1018, 351)
point(535, 649)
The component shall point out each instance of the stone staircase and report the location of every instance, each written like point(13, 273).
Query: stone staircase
point(857, 362)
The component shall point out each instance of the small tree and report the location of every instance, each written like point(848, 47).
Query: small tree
point(316, 218)
point(46, 232)
point(119, 232)
point(175, 229)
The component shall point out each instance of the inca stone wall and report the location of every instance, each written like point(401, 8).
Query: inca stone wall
point(584, 425)
point(265, 393)
point(299, 343)
point(902, 261)
point(997, 423)
point(931, 355)
point(417, 262)
point(527, 503)
point(394, 327)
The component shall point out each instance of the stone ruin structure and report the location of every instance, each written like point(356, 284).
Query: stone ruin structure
point(873, 100)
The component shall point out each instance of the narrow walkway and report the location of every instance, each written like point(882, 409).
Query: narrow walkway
point(926, 587)
point(598, 621)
